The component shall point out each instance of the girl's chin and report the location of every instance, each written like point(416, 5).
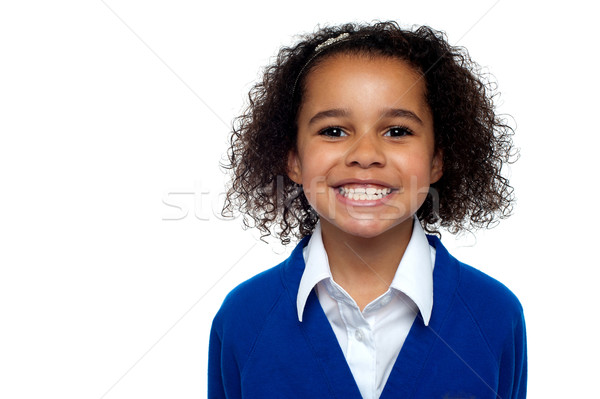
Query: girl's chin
point(365, 228)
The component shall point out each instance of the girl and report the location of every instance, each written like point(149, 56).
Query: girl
point(358, 140)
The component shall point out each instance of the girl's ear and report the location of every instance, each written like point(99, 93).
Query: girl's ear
point(294, 171)
point(437, 166)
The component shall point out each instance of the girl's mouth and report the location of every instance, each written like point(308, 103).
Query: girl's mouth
point(364, 193)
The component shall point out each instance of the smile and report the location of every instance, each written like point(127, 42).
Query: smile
point(364, 193)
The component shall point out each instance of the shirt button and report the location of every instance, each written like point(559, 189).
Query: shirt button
point(358, 334)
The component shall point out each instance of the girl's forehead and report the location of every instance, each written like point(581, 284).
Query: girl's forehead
point(348, 58)
point(365, 78)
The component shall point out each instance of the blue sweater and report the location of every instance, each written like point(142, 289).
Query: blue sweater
point(474, 346)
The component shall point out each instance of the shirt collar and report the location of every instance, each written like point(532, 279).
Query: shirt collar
point(414, 276)
point(316, 269)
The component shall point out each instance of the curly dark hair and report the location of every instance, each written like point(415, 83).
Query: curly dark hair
point(476, 142)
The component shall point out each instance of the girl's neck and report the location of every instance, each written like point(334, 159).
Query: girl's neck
point(365, 267)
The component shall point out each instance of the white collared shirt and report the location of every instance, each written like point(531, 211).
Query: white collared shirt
point(371, 340)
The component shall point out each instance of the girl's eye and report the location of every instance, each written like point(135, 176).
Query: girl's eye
point(333, 132)
point(398, 131)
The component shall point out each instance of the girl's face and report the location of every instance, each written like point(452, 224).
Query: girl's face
point(365, 152)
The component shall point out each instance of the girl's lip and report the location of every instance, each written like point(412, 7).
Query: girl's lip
point(363, 183)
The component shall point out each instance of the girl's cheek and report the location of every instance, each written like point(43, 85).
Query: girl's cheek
point(315, 184)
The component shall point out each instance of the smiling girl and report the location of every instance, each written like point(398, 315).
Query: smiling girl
point(358, 140)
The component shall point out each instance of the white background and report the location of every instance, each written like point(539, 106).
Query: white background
point(109, 109)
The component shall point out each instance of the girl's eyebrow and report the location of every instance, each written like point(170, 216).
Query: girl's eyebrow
point(401, 113)
point(330, 113)
point(388, 113)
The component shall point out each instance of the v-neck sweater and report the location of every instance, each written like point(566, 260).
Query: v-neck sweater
point(473, 347)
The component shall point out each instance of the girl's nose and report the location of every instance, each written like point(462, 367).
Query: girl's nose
point(365, 151)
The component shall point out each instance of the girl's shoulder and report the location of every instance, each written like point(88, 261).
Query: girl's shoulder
point(493, 310)
point(255, 295)
point(256, 299)
point(269, 296)
point(474, 298)
point(260, 292)
point(484, 294)
point(496, 313)
point(477, 290)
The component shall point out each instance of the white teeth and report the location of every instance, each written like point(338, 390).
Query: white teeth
point(364, 194)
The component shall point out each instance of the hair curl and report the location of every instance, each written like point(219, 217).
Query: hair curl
point(475, 141)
